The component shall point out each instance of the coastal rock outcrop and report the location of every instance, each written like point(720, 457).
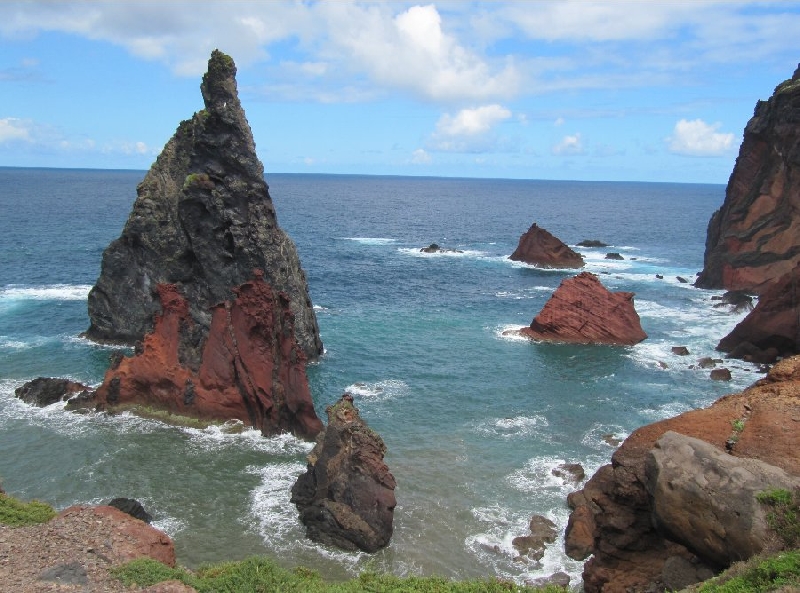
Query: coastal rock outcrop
point(583, 311)
point(203, 219)
point(346, 496)
point(250, 367)
point(44, 391)
point(539, 248)
point(615, 516)
point(754, 238)
point(772, 328)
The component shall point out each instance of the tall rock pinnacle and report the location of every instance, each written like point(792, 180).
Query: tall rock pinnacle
point(754, 238)
point(203, 220)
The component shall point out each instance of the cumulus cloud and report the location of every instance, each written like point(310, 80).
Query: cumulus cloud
point(13, 129)
point(469, 130)
point(569, 145)
point(697, 138)
point(420, 157)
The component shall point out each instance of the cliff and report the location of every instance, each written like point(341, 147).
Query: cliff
point(754, 238)
point(539, 248)
point(203, 219)
point(686, 498)
point(583, 311)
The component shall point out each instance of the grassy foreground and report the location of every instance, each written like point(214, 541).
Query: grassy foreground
point(16, 513)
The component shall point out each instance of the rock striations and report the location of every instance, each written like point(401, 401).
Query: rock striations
point(677, 500)
point(539, 248)
point(346, 497)
point(583, 311)
point(207, 284)
point(204, 220)
point(754, 238)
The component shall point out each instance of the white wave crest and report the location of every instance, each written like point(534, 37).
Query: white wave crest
point(52, 292)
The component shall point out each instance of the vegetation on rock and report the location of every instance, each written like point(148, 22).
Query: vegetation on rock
point(16, 513)
point(759, 575)
point(784, 514)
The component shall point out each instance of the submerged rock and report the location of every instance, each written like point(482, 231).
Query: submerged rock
point(754, 238)
point(346, 496)
point(592, 243)
point(436, 248)
point(203, 219)
point(539, 248)
point(583, 311)
point(44, 391)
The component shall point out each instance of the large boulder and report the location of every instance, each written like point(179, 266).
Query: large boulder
point(44, 391)
point(539, 248)
point(631, 550)
point(754, 238)
point(251, 367)
point(203, 219)
point(772, 328)
point(583, 311)
point(346, 496)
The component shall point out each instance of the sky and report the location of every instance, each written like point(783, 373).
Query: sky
point(581, 90)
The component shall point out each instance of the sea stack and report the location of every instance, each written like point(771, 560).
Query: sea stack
point(583, 311)
point(346, 497)
point(754, 238)
point(203, 220)
point(539, 248)
point(206, 284)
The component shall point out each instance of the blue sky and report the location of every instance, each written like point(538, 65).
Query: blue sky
point(634, 90)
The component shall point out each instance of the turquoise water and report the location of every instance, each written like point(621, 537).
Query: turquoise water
point(474, 421)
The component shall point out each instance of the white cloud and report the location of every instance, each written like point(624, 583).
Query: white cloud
point(12, 129)
point(469, 130)
point(697, 138)
point(570, 144)
point(559, 122)
point(420, 157)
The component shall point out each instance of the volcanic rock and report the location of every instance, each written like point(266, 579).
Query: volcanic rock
point(131, 507)
point(680, 350)
point(754, 238)
point(583, 311)
point(738, 300)
point(539, 248)
point(251, 367)
point(772, 328)
point(616, 508)
point(203, 219)
point(346, 496)
point(614, 255)
point(436, 248)
point(722, 374)
point(44, 391)
point(592, 243)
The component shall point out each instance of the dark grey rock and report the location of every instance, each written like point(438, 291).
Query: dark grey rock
point(132, 507)
point(72, 573)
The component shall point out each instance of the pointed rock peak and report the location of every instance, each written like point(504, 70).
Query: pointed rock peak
point(219, 83)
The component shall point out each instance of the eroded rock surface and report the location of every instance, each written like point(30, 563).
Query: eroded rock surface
point(539, 248)
point(614, 510)
point(346, 497)
point(44, 391)
point(203, 219)
point(250, 368)
point(583, 311)
point(754, 238)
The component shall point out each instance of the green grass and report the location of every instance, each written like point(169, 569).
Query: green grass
point(783, 514)
point(16, 513)
point(261, 575)
point(758, 575)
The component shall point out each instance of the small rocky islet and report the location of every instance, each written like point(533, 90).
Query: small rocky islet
point(222, 326)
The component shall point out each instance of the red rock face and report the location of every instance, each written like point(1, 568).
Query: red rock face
point(774, 324)
point(583, 311)
point(539, 248)
point(251, 367)
point(755, 237)
point(616, 510)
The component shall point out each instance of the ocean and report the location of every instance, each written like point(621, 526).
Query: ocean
point(474, 421)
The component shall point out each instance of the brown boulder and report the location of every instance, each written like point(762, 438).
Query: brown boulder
point(251, 368)
point(583, 311)
point(346, 497)
point(754, 237)
point(539, 248)
point(629, 550)
point(772, 328)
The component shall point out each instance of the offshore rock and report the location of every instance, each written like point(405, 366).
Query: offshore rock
point(346, 497)
point(754, 238)
point(250, 369)
point(772, 328)
point(203, 219)
point(583, 311)
point(615, 508)
point(539, 248)
point(44, 391)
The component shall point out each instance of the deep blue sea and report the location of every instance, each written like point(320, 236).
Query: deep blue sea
point(473, 421)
